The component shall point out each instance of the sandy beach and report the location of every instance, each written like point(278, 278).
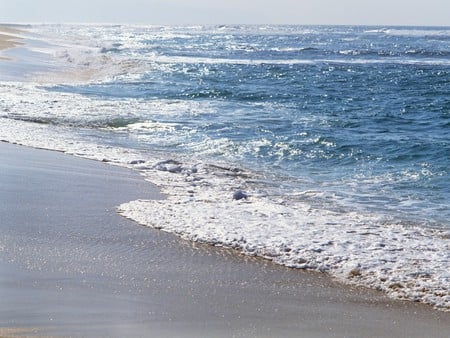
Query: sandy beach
point(71, 266)
point(7, 38)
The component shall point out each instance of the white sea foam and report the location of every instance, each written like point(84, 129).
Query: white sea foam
point(418, 32)
point(371, 250)
point(357, 249)
point(201, 60)
point(414, 32)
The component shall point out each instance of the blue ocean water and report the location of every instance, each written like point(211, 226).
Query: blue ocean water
point(359, 113)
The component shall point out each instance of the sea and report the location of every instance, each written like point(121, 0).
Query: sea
point(318, 147)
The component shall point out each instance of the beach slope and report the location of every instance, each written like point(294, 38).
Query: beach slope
point(71, 266)
point(8, 38)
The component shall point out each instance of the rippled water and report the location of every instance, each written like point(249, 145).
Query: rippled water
point(359, 113)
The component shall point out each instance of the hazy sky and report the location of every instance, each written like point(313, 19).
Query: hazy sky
point(359, 12)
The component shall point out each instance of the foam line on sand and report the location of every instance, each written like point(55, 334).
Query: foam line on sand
point(71, 266)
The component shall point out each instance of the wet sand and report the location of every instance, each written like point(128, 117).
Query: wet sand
point(71, 266)
point(7, 39)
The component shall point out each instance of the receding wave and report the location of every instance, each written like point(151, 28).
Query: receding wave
point(116, 122)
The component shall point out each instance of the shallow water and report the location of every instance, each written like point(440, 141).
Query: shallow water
point(339, 135)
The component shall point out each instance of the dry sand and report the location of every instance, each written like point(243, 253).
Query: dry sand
point(71, 266)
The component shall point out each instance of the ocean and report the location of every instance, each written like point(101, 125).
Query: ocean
point(323, 148)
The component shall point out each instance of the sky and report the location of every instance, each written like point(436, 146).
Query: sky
point(304, 12)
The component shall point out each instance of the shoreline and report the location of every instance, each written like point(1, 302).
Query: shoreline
point(157, 211)
point(126, 272)
point(73, 266)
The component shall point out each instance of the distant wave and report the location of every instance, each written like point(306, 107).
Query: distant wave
point(413, 32)
point(399, 60)
point(419, 32)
